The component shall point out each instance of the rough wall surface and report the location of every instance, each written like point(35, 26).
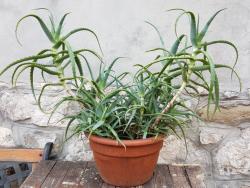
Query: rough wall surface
point(122, 31)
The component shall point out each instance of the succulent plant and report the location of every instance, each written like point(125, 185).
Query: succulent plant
point(150, 104)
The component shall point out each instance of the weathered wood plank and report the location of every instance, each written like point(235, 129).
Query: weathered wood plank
point(196, 176)
point(74, 175)
point(39, 175)
point(180, 178)
point(150, 183)
point(139, 186)
point(84, 175)
point(105, 185)
point(90, 177)
point(56, 175)
point(162, 177)
point(24, 155)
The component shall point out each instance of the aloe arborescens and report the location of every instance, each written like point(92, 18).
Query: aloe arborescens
point(145, 107)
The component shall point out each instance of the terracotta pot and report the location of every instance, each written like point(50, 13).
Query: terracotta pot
point(126, 167)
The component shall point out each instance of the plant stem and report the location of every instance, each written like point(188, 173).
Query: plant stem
point(183, 85)
point(169, 105)
point(61, 71)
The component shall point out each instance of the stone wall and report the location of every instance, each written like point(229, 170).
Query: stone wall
point(220, 145)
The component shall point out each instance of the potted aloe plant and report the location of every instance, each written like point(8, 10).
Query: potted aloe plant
point(126, 122)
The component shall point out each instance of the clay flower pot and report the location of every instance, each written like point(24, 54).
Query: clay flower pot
point(126, 167)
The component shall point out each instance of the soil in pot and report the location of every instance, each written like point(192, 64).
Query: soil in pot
point(130, 166)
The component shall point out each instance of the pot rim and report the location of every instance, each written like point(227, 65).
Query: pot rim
point(136, 142)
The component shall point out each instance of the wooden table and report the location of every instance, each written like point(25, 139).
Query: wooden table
point(60, 174)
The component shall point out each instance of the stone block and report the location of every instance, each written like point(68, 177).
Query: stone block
point(174, 151)
point(233, 157)
point(6, 137)
point(35, 137)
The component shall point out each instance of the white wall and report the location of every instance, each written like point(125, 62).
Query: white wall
point(122, 31)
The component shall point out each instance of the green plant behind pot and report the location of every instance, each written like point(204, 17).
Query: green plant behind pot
point(149, 105)
point(191, 61)
point(58, 57)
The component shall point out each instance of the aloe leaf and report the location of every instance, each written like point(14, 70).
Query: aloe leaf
point(162, 49)
point(32, 82)
point(193, 88)
point(66, 65)
point(193, 26)
point(107, 73)
point(142, 70)
point(170, 58)
point(50, 18)
point(77, 52)
point(146, 131)
point(130, 119)
point(160, 37)
point(200, 76)
point(41, 93)
point(53, 30)
point(173, 51)
point(79, 66)
point(43, 67)
point(72, 60)
point(115, 135)
point(193, 33)
point(19, 73)
point(112, 94)
point(92, 100)
point(97, 125)
point(217, 93)
point(198, 24)
point(176, 44)
point(213, 87)
point(82, 29)
point(230, 44)
point(67, 127)
point(158, 33)
point(205, 28)
point(71, 78)
point(176, 23)
point(59, 29)
point(178, 124)
point(185, 140)
point(199, 84)
point(16, 72)
point(117, 78)
point(174, 131)
point(88, 65)
point(23, 60)
point(43, 76)
point(203, 68)
point(58, 104)
point(98, 88)
point(32, 72)
point(42, 24)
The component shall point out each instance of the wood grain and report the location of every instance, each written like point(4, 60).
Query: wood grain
point(180, 179)
point(90, 177)
point(39, 175)
point(74, 175)
point(24, 155)
point(64, 174)
point(195, 176)
point(56, 175)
